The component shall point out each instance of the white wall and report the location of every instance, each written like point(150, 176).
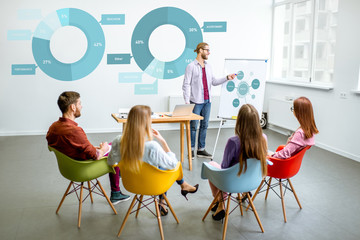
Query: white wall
point(28, 103)
point(337, 119)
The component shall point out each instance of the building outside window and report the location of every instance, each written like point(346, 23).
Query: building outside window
point(303, 42)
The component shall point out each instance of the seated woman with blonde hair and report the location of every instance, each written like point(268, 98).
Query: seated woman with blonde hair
point(137, 144)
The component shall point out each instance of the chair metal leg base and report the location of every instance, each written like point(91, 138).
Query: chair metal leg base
point(145, 203)
point(95, 188)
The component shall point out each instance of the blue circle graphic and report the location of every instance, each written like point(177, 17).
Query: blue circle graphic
point(230, 86)
point(255, 84)
point(61, 18)
point(240, 75)
point(236, 102)
point(140, 42)
point(243, 89)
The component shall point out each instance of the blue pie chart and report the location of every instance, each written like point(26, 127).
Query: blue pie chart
point(68, 71)
point(140, 42)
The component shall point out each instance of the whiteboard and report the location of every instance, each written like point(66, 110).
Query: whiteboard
point(248, 87)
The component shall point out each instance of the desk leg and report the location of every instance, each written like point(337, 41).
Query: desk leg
point(189, 144)
point(182, 142)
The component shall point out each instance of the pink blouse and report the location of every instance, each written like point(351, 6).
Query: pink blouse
point(295, 143)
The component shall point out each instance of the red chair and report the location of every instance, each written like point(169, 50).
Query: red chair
point(282, 170)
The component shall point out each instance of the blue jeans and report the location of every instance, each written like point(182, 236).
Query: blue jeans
point(202, 109)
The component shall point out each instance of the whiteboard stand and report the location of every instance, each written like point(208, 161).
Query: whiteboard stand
point(222, 121)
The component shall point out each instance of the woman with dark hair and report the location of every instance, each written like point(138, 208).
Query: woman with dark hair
point(304, 135)
point(248, 142)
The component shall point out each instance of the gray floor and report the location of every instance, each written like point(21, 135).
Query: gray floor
point(31, 188)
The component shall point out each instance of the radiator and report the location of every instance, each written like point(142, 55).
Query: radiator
point(280, 115)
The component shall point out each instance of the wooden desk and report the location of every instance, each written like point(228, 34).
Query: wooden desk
point(183, 120)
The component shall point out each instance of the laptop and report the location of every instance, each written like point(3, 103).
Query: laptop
point(182, 110)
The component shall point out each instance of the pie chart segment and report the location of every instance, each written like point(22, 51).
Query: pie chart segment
point(68, 71)
point(140, 42)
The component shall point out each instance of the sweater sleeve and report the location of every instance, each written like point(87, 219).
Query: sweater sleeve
point(229, 154)
point(114, 155)
point(295, 144)
point(187, 83)
point(157, 157)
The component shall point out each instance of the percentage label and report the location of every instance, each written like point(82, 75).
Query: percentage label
point(97, 44)
point(188, 60)
point(170, 71)
point(139, 42)
point(64, 16)
point(192, 29)
point(46, 62)
point(158, 70)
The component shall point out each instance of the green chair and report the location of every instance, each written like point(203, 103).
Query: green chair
point(80, 172)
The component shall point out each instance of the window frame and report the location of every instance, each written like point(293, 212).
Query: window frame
point(292, 80)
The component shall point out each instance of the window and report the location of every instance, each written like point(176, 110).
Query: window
point(304, 37)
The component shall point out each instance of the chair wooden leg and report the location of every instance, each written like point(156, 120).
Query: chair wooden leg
point(171, 209)
point(139, 205)
point(80, 204)
point(188, 141)
point(182, 142)
point(282, 200)
point(211, 205)
point(90, 193)
point(127, 215)
point(293, 190)
point(255, 212)
point(267, 190)
point(226, 216)
point(256, 192)
point(240, 205)
point(106, 196)
point(158, 215)
point(63, 198)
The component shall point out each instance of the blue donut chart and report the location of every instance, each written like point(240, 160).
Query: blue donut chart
point(68, 71)
point(140, 42)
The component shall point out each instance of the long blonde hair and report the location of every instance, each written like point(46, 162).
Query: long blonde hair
point(137, 131)
point(252, 141)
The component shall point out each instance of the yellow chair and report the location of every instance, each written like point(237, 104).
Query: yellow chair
point(149, 181)
point(82, 171)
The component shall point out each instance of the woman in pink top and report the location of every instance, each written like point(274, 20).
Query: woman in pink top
point(304, 135)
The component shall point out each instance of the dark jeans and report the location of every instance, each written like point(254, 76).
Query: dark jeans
point(202, 109)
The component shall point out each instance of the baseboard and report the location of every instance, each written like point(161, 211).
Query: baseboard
point(318, 144)
point(213, 123)
point(338, 151)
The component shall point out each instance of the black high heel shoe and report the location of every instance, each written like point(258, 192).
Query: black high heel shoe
point(162, 210)
point(185, 192)
point(213, 209)
point(219, 216)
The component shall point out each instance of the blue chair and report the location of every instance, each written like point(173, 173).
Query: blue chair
point(227, 181)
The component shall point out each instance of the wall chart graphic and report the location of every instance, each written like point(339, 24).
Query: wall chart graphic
point(42, 45)
point(68, 71)
point(140, 42)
